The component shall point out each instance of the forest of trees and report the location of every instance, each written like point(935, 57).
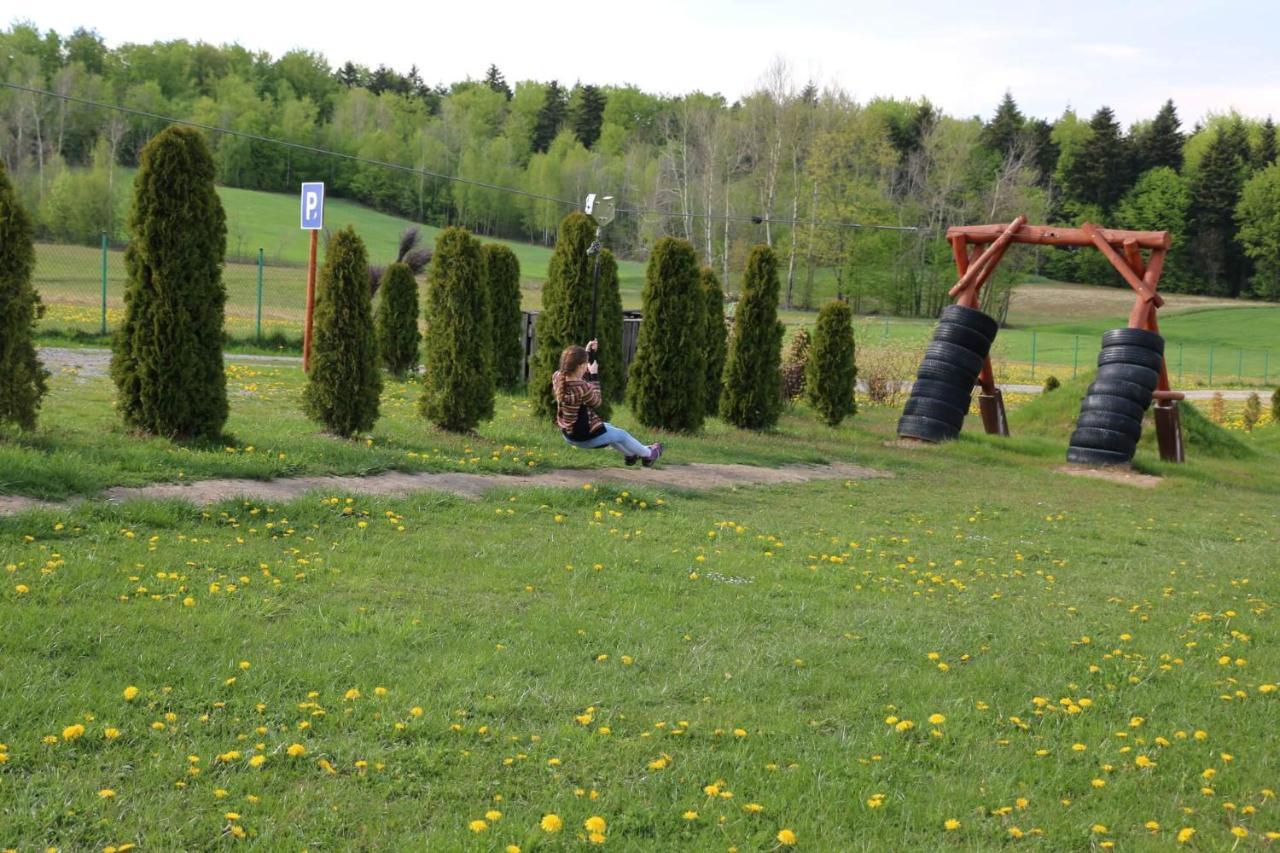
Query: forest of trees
point(805, 161)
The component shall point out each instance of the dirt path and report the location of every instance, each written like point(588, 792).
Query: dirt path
point(692, 477)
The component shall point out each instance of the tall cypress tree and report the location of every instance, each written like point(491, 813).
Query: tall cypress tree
point(666, 385)
point(586, 115)
point(1101, 171)
point(830, 372)
point(457, 390)
point(22, 378)
point(1160, 143)
point(1265, 154)
point(716, 338)
point(752, 396)
point(550, 118)
point(1005, 129)
point(613, 376)
point(566, 308)
point(344, 384)
point(396, 323)
point(502, 271)
point(1215, 191)
point(167, 355)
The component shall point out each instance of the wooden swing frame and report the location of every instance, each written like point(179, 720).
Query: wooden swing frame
point(1124, 249)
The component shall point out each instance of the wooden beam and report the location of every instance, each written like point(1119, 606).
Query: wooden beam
point(960, 251)
point(991, 256)
point(1139, 286)
point(1133, 255)
point(1046, 235)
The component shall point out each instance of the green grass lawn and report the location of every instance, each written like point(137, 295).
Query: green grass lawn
point(980, 642)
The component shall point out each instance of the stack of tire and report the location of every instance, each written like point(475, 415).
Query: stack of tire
point(943, 389)
point(1111, 413)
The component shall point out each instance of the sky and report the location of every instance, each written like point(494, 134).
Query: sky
point(1206, 56)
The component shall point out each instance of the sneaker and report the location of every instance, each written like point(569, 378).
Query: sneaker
point(631, 460)
point(655, 451)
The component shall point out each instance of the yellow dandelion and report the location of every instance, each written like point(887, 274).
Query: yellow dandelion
point(257, 761)
point(951, 824)
point(493, 815)
point(595, 823)
point(111, 733)
point(551, 823)
point(477, 826)
point(936, 719)
point(1186, 834)
point(74, 732)
point(106, 793)
point(296, 750)
point(130, 693)
point(690, 815)
point(786, 838)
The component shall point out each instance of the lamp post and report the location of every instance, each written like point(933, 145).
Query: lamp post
point(602, 209)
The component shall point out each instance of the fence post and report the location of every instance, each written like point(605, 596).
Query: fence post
point(1266, 367)
point(259, 323)
point(1240, 367)
point(1033, 355)
point(1210, 365)
point(104, 283)
point(886, 327)
point(1075, 356)
point(1179, 362)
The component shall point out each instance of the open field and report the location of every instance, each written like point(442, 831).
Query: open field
point(979, 643)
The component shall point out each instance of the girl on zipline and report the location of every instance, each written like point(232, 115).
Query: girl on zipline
point(577, 388)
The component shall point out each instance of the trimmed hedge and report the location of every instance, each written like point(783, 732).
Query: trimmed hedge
point(752, 397)
point(716, 339)
point(830, 371)
point(613, 373)
point(502, 275)
point(23, 381)
point(397, 320)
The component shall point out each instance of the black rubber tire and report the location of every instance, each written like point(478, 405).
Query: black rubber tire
point(1103, 439)
point(1122, 354)
point(971, 318)
point(1112, 405)
point(970, 339)
point(962, 356)
point(925, 429)
point(1133, 338)
point(1110, 420)
point(1135, 373)
point(1119, 388)
point(956, 398)
point(927, 407)
point(1091, 456)
point(947, 372)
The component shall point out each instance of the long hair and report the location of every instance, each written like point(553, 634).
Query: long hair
point(571, 359)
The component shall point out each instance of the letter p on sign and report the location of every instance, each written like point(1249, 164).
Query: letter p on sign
point(313, 206)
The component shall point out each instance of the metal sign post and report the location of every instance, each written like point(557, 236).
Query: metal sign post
point(312, 220)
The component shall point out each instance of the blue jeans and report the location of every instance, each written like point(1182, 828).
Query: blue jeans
point(619, 439)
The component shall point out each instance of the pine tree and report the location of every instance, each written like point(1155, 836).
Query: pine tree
point(565, 318)
point(494, 80)
point(666, 386)
point(752, 396)
point(1045, 157)
point(167, 354)
point(344, 384)
point(502, 272)
point(457, 390)
point(1265, 154)
point(1215, 192)
point(22, 377)
point(1005, 129)
point(586, 114)
point(1101, 171)
point(715, 339)
point(613, 375)
point(550, 118)
point(397, 320)
point(830, 373)
point(1160, 144)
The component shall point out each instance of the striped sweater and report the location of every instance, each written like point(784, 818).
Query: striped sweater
point(574, 413)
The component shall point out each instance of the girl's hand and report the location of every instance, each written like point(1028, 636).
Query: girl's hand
point(592, 346)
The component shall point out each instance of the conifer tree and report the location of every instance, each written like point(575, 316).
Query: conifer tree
point(716, 338)
point(666, 386)
point(167, 354)
point(586, 114)
point(1215, 193)
point(830, 369)
point(550, 118)
point(344, 384)
point(566, 309)
point(494, 80)
point(1160, 144)
point(502, 272)
point(1265, 154)
point(752, 396)
point(22, 377)
point(397, 320)
point(1101, 172)
point(613, 375)
point(1005, 129)
point(457, 390)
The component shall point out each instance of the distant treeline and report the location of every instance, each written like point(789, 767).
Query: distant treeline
point(804, 161)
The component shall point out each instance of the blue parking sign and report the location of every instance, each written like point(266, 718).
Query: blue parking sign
point(313, 206)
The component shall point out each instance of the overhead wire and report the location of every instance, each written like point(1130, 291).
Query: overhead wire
point(424, 172)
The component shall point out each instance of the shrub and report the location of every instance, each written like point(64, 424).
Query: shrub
point(716, 339)
point(831, 372)
point(502, 275)
point(1051, 384)
point(1275, 406)
point(1217, 408)
point(22, 378)
point(886, 366)
point(666, 386)
point(344, 384)
point(613, 374)
point(167, 354)
point(396, 323)
point(794, 364)
point(752, 396)
point(1252, 412)
point(457, 390)
point(566, 309)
